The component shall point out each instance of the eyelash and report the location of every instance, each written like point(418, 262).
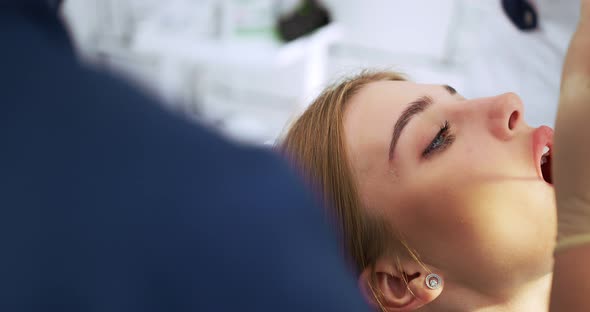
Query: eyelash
point(441, 141)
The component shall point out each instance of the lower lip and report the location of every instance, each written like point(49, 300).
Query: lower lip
point(542, 136)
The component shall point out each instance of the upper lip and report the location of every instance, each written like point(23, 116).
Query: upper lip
point(542, 136)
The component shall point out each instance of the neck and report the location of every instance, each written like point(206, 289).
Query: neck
point(532, 296)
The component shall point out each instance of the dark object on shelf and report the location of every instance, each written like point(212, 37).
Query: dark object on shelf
point(308, 17)
point(521, 13)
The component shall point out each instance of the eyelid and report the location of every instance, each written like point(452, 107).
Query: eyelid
point(447, 137)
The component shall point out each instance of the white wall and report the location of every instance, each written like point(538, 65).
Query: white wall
point(250, 86)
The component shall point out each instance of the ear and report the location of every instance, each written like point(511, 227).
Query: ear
point(397, 287)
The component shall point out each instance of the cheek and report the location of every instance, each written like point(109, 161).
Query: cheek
point(473, 150)
point(500, 225)
point(513, 224)
point(436, 220)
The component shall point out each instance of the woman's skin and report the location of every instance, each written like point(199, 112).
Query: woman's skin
point(463, 187)
point(488, 233)
point(571, 284)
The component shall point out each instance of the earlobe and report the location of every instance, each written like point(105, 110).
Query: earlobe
point(384, 286)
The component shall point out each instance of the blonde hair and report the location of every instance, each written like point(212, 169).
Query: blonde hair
point(315, 144)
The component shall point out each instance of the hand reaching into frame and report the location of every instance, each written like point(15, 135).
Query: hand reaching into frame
point(571, 172)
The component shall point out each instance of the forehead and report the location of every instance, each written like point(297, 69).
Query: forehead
point(377, 98)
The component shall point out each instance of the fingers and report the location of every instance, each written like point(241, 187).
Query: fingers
point(577, 62)
point(584, 11)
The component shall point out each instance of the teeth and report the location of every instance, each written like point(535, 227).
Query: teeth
point(545, 150)
point(543, 160)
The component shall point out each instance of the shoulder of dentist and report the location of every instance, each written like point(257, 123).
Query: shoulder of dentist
point(109, 203)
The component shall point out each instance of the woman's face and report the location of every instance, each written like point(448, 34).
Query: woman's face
point(459, 178)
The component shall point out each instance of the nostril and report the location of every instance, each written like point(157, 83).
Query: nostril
point(513, 120)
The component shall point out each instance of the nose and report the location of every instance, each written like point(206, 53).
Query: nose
point(505, 114)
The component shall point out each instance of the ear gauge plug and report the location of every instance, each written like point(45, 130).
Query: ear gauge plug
point(433, 281)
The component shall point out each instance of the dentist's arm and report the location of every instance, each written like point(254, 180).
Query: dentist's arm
point(571, 172)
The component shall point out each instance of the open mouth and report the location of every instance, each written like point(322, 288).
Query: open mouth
point(542, 152)
point(546, 165)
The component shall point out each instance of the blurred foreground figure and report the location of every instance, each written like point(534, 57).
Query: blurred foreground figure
point(108, 203)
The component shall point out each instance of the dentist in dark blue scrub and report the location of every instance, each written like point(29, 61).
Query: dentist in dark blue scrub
point(109, 203)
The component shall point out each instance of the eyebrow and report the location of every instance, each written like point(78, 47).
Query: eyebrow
point(451, 90)
point(414, 108)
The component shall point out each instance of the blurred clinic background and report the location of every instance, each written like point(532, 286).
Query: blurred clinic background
point(248, 67)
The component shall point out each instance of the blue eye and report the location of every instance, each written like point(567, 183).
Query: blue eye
point(441, 141)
